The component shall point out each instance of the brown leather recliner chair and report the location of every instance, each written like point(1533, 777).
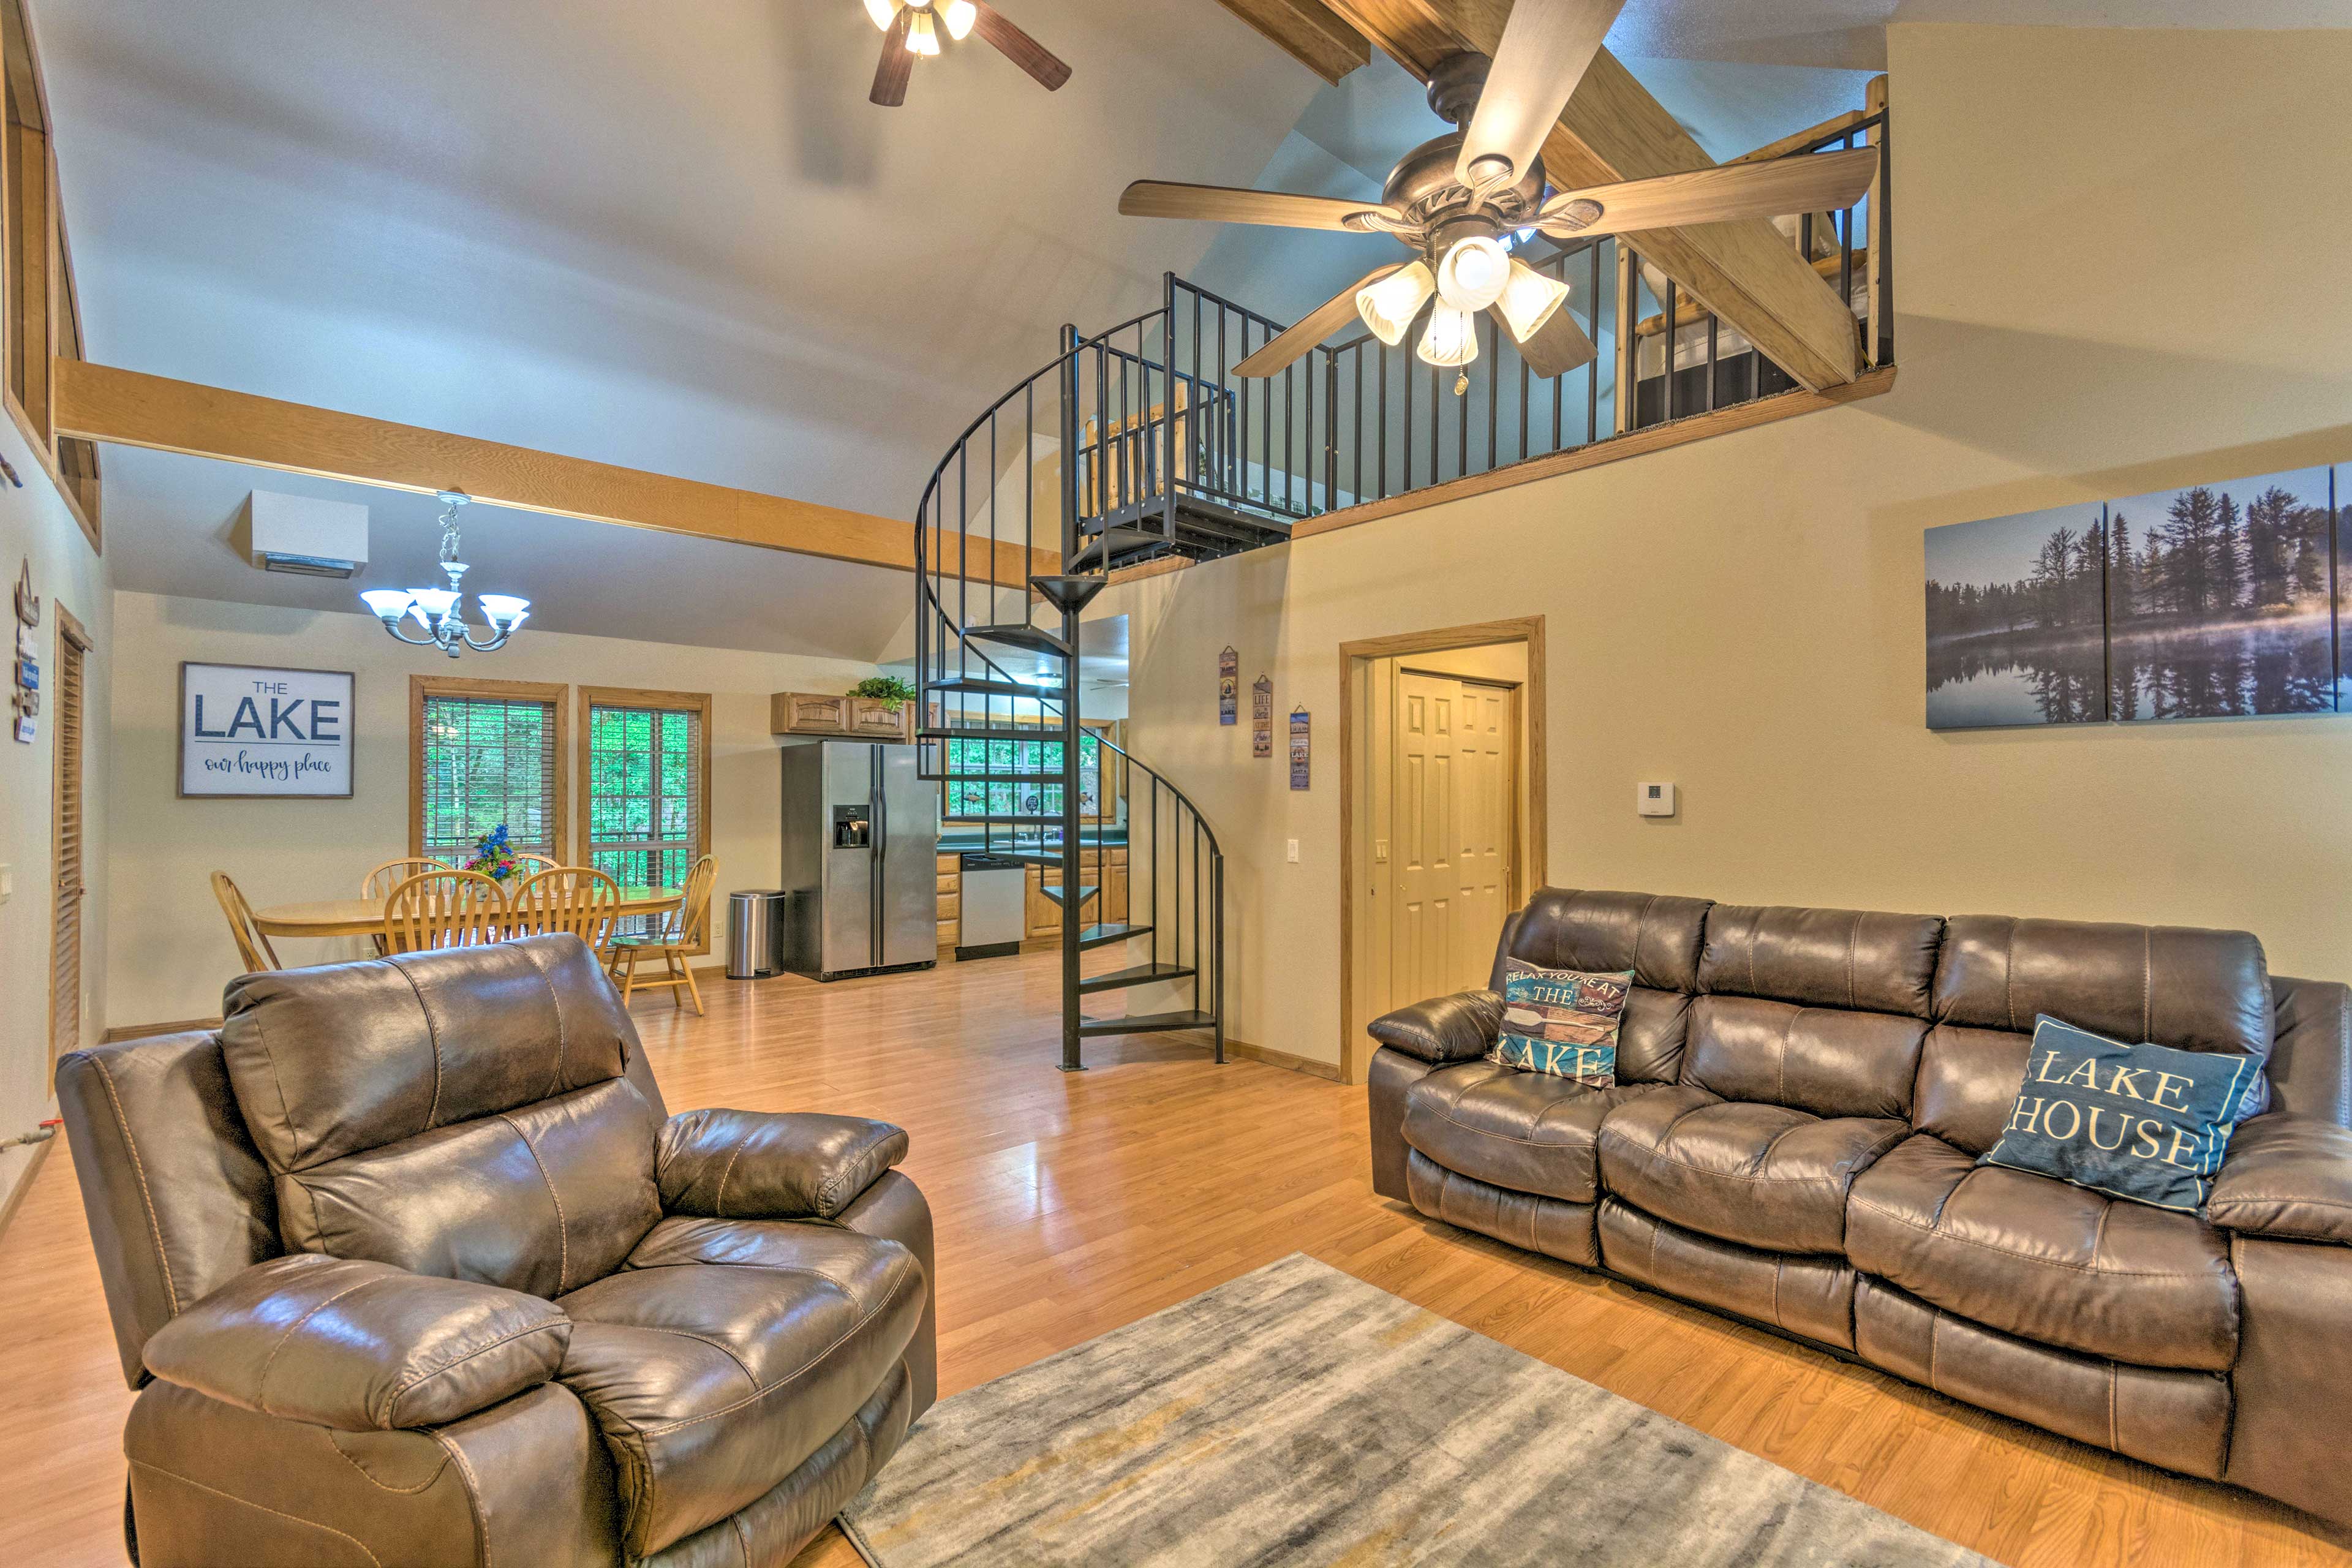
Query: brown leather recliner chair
point(412, 1266)
point(1801, 1097)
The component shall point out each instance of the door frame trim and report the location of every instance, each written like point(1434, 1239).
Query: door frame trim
point(1355, 657)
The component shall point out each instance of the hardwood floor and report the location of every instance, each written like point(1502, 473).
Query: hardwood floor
point(1068, 1205)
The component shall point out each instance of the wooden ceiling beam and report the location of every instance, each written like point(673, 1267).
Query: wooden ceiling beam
point(130, 408)
point(1613, 130)
point(1309, 31)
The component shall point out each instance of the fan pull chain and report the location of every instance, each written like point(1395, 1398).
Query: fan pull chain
point(1460, 383)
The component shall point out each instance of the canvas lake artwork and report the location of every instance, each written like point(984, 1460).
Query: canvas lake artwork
point(2199, 602)
point(2220, 601)
point(2017, 620)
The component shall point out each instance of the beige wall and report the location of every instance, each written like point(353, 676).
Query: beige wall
point(172, 950)
point(2116, 255)
point(35, 527)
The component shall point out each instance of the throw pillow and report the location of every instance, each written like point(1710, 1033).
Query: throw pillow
point(2145, 1122)
point(1561, 1021)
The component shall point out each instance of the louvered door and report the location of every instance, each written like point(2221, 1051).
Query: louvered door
point(65, 950)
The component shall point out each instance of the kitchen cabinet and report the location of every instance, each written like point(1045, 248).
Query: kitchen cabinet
point(950, 900)
point(822, 713)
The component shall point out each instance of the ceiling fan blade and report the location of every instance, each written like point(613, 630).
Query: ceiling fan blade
point(1226, 204)
point(1312, 328)
point(1559, 347)
point(1820, 182)
point(897, 65)
point(1546, 48)
point(1018, 47)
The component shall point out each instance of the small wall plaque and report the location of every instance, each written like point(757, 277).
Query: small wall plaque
point(1298, 747)
point(1229, 687)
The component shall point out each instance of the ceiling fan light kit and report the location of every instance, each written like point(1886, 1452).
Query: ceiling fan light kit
point(1452, 200)
point(1389, 306)
point(912, 30)
point(1451, 338)
point(1529, 300)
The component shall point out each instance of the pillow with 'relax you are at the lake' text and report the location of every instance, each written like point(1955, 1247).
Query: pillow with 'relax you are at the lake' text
point(1561, 1021)
point(2145, 1122)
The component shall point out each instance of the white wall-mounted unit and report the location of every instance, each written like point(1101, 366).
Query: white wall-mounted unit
point(310, 537)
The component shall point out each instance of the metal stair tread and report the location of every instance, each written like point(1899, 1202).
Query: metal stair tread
point(973, 686)
point(1021, 634)
point(1104, 935)
point(1055, 893)
point(1138, 974)
point(1146, 1023)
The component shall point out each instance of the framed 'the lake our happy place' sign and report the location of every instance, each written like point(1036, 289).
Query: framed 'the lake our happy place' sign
point(251, 731)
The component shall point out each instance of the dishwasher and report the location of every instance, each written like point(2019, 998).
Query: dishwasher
point(992, 906)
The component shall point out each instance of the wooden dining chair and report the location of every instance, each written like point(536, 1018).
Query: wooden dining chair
point(578, 899)
point(530, 864)
point(253, 948)
point(444, 909)
point(380, 882)
point(681, 930)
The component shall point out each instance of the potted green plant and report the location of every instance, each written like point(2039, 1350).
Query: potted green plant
point(888, 689)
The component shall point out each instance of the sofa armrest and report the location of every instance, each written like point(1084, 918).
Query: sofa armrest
point(751, 1164)
point(360, 1346)
point(1455, 1028)
point(2288, 1177)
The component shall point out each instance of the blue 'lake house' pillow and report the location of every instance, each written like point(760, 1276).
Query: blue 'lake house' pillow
point(1561, 1021)
point(2145, 1122)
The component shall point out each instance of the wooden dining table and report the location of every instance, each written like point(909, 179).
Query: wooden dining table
point(364, 917)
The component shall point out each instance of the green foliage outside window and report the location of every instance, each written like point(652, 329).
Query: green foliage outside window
point(1023, 778)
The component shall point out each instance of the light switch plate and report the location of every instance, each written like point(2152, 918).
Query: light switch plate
point(1294, 851)
point(1654, 799)
point(8, 883)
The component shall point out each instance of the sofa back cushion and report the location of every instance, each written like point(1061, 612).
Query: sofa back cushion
point(1860, 960)
point(2172, 985)
point(1655, 936)
point(1828, 1060)
point(462, 1112)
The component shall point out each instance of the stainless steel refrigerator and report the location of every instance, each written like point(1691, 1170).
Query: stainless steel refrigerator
point(861, 860)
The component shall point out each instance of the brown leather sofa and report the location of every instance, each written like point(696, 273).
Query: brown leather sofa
point(1792, 1140)
point(412, 1266)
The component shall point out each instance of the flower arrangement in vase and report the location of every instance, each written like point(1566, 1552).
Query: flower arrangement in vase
point(494, 857)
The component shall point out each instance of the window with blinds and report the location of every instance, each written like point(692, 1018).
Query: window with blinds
point(645, 803)
point(999, 777)
point(488, 753)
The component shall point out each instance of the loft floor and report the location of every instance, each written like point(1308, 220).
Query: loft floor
point(1069, 1205)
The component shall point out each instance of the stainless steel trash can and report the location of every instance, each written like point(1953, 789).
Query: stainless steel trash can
point(755, 933)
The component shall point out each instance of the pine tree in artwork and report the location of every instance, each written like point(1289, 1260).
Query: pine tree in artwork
point(2310, 580)
point(2271, 548)
point(2121, 595)
point(2228, 568)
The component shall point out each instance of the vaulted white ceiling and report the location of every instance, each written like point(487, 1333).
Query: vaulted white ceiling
point(676, 236)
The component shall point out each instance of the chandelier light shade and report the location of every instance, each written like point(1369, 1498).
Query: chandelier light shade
point(1529, 300)
point(1474, 273)
point(1389, 306)
point(959, 15)
point(1451, 338)
point(437, 610)
point(922, 37)
point(883, 12)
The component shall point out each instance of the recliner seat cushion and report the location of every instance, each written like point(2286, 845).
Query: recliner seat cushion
point(1765, 1176)
point(711, 1382)
point(1523, 1132)
point(2045, 1260)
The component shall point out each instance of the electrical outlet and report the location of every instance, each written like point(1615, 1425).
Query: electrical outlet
point(1294, 851)
point(8, 883)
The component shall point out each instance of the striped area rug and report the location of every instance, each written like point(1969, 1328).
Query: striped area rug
point(1298, 1416)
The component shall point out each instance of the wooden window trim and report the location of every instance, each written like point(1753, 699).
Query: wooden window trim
point(594, 697)
point(70, 633)
point(555, 695)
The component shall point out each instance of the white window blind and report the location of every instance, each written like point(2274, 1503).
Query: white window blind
point(645, 784)
point(489, 760)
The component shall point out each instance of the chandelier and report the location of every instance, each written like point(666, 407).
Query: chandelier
point(437, 611)
point(925, 20)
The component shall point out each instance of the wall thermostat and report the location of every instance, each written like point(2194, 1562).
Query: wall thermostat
point(1654, 799)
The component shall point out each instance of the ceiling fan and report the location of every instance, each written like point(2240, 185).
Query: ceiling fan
point(1453, 201)
point(911, 28)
